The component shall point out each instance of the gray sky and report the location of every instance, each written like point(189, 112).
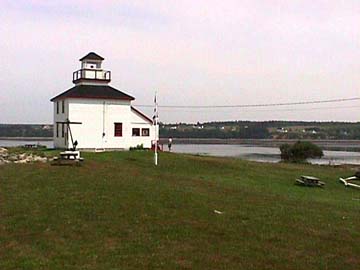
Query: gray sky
point(192, 52)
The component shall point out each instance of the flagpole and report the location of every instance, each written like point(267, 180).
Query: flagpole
point(156, 130)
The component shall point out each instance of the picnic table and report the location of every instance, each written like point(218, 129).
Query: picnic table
point(348, 182)
point(68, 158)
point(66, 155)
point(30, 145)
point(309, 181)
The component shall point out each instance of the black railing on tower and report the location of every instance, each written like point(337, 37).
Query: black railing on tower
point(92, 74)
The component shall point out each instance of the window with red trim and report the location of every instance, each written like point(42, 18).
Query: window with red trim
point(118, 129)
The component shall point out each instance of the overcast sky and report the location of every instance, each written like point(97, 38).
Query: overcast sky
point(192, 52)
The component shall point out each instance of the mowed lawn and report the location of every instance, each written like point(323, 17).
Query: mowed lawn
point(119, 211)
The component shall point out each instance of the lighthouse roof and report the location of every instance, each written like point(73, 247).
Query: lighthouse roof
point(92, 56)
point(93, 91)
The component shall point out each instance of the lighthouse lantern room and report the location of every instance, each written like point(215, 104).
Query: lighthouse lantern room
point(91, 70)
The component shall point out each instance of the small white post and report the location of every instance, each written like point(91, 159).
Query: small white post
point(156, 145)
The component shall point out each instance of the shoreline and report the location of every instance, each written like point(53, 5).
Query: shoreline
point(26, 138)
point(335, 145)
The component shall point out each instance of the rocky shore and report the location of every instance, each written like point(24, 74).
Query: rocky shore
point(6, 157)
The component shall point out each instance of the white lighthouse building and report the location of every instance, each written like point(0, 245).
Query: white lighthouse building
point(106, 119)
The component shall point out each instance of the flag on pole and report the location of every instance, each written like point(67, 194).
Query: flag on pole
point(155, 120)
point(156, 115)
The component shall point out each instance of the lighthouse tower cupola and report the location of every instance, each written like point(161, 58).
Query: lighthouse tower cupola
point(91, 71)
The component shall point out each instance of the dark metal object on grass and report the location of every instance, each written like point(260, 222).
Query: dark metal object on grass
point(71, 156)
point(68, 123)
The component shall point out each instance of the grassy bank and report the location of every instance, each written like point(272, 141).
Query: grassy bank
point(118, 211)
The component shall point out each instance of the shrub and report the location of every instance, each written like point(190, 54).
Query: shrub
point(285, 150)
point(300, 151)
point(138, 147)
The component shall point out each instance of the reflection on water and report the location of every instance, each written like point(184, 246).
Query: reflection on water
point(262, 154)
point(11, 143)
point(255, 153)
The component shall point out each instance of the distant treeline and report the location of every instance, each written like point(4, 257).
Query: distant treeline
point(224, 130)
point(25, 130)
point(267, 124)
point(251, 132)
point(263, 130)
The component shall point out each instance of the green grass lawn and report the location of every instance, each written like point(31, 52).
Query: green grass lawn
point(118, 211)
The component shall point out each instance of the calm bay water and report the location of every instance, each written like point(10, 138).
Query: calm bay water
point(255, 153)
point(262, 154)
point(11, 143)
